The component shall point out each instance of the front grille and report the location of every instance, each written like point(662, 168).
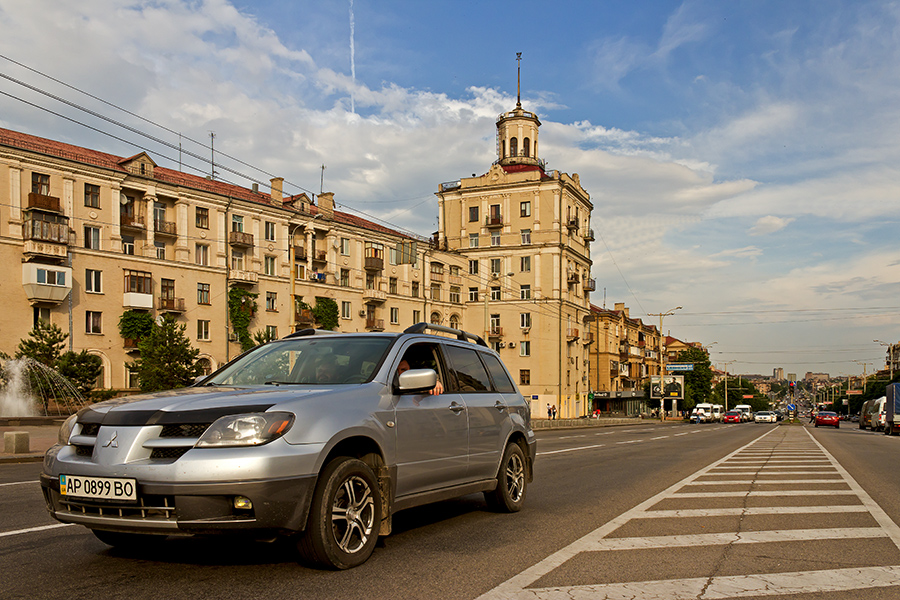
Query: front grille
point(169, 453)
point(87, 451)
point(186, 430)
point(90, 429)
point(150, 508)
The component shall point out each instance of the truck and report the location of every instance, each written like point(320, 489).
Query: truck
point(892, 409)
point(745, 411)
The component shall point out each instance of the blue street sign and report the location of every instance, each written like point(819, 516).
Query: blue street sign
point(680, 367)
point(792, 407)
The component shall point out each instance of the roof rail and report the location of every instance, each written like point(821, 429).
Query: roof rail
point(460, 335)
point(309, 331)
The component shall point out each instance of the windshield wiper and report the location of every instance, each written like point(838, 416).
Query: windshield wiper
point(281, 383)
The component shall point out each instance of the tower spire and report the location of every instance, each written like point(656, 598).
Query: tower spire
point(519, 80)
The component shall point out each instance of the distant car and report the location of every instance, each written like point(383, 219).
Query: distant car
point(825, 417)
point(765, 416)
point(732, 416)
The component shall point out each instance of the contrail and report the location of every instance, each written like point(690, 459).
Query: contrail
point(352, 62)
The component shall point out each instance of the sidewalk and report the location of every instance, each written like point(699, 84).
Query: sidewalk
point(42, 433)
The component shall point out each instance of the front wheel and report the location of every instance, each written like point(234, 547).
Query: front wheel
point(343, 519)
point(509, 495)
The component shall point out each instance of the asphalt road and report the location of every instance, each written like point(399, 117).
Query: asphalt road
point(613, 512)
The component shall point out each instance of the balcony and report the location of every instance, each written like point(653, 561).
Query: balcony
point(171, 229)
point(299, 253)
point(456, 280)
point(589, 284)
point(45, 249)
point(589, 235)
point(130, 344)
point(495, 332)
point(374, 296)
point(175, 305)
point(304, 317)
point(42, 202)
point(493, 221)
point(572, 334)
point(239, 239)
point(572, 223)
point(46, 283)
point(588, 338)
point(437, 276)
point(137, 300)
point(131, 222)
point(245, 277)
point(374, 263)
point(573, 278)
point(320, 255)
point(375, 324)
point(45, 231)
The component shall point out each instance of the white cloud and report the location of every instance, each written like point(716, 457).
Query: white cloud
point(769, 224)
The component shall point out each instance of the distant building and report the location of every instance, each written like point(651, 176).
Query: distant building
point(816, 377)
point(778, 374)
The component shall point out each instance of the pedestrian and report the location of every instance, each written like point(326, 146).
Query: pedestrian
point(549, 411)
point(554, 412)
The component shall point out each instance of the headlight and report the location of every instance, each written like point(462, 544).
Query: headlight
point(65, 430)
point(246, 430)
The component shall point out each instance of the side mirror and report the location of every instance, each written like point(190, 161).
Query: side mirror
point(416, 381)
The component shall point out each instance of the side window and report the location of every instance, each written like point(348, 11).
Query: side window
point(424, 356)
point(466, 370)
point(498, 374)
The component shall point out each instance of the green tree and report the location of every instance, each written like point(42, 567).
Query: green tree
point(326, 313)
point(81, 368)
point(167, 358)
point(697, 383)
point(45, 344)
point(262, 336)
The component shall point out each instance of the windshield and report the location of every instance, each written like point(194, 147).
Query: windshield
point(314, 360)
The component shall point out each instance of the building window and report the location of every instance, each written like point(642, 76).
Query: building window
point(392, 256)
point(496, 266)
point(454, 294)
point(272, 301)
point(392, 285)
point(131, 377)
point(138, 282)
point(525, 292)
point(346, 310)
point(345, 249)
point(272, 332)
point(93, 281)
point(524, 320)
point(160, 250)
point(473, 214)
point(513, 146)
point(417, 316)
point(495, 238)
point(203, 330)
point(299, 271)
point(524, 376)
point(202, 293)
point(40, 184)
point(414, 290)
point(525, 264)
point(525, 348)
point(91, 237)
point(526, 147)
point(525, 209)
point(269, 265)
point(526, 236)
point(345, 277)
point(93, 322)
point(454, 321)
point(473, 240)
point(41, 314)
point(473, 294)
point(201, 254)
point(270, 231)
point(473, 267)
point(202, 217)
point(395, 315)
point(370, 281)
point(92, 195)
point(237, 260)
point(436, 291)
point(49, 277)
point(128, 244)
point(237, 223)
point(495, 293)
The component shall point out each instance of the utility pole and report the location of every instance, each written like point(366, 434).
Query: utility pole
point(662, 362)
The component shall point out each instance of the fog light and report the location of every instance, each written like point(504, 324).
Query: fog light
point(243, 503)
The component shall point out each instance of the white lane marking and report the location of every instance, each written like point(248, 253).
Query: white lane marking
point(747, 537)
point(570, 449)
point(662, 437)
point(763, 481)
point(746, 494)
point(33, 529)
point(751, 510)
point(685, 433)
point(20, 483)
point(630, 442)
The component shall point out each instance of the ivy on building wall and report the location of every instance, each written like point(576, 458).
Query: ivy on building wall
point(326, 312)
point(135, 324)
point(241, 308)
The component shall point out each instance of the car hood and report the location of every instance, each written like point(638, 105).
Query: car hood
point(190, 405)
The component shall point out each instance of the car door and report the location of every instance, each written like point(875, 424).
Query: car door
point(488, 414)
point(432, 431)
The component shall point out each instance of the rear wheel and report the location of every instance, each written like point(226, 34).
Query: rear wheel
point(343, 519)
point(509, 495)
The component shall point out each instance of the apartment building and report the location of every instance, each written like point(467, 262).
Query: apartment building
point(525, 234)
point(625, 353)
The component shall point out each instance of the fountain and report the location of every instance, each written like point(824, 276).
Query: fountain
point(34, 389)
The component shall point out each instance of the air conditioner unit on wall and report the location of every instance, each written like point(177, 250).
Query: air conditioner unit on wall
point(362, 312)
point(512, 344)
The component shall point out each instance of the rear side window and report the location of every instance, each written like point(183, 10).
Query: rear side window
point(466, 371)
point(498, 374)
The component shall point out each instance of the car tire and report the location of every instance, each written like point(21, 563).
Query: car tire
point(888, 429)
point(344, 516)
point(119, 539)
point(817, 424)
point(509, 495)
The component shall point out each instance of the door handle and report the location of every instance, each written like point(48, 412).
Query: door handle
point(457, 408)
point(499, 406)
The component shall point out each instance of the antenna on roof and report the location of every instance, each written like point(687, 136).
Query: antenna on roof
point(519, 80)
point(212, 157)
point(322, 181)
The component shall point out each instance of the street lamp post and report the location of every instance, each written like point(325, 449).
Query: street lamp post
point(890, 361)
point(662, 363)
point(726, 383)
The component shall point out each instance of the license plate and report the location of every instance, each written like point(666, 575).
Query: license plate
point(104, 488)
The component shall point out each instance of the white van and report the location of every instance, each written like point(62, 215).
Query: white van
point(877, 414)
point(717, 411)
point(704, 413)
point(745, 412)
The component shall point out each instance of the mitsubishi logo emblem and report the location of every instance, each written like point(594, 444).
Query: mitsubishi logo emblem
point(112, 443)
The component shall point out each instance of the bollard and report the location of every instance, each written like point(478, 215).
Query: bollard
point(15, 442)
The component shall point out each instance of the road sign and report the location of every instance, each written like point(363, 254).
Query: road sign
point(792, 407)
point(680, 367)
point(854, 392)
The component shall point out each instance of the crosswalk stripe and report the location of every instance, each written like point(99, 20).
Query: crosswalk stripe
point(757, 493)
point(746, 537)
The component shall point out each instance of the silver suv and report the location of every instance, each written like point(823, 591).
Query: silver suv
point(322, 436)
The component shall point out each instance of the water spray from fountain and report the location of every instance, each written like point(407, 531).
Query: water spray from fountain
point(34, 389)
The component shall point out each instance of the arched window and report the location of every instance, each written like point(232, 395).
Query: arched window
point(503, 149)
point(435, 318)
point(205, 366)
point(454, 321)
point(513, 146)
point(526, 147)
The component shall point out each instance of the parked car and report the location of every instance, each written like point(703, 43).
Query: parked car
point(864, 416)
point(732, 416)
point(876, 414)
point(765, 416)
point(824, 417)
point(320, 436)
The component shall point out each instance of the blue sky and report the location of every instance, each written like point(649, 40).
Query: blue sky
point(741, 156)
